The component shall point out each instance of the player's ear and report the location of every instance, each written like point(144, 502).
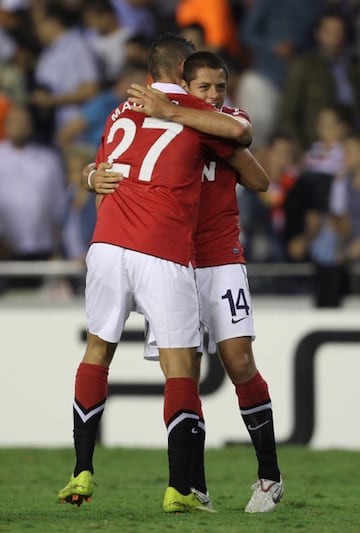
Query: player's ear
point(183, 84)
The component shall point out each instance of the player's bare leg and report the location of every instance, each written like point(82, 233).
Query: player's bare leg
point(256, 410)
point(89, 403)
point(178, 362)
point(238, 359)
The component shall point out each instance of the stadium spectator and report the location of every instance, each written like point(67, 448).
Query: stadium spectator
point(139, 226)
point(318, 240)
point(15, 20)
point(196, 34)
point(136, 49)
point(350, 11)
point(31, 195)
point(87, 126)
point(274, 32)
point(345, 201)
point(279, 160)
point(106, 37)
point(66, 74)
point(327, 76)
point(138, 16)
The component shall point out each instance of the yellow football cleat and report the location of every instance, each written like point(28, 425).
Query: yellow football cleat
point(78, 490)
point(175, 502)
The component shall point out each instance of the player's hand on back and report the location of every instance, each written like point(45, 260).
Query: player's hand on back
point(104, 180)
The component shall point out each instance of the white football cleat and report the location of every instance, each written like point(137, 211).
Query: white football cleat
point(266, 495)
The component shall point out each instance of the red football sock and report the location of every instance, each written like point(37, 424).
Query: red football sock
point(252, 392)
point(181, 407)
point(89, 403)
point(91, 384)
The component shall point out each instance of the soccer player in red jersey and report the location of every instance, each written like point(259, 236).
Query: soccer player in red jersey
point(224, 297)
point(139, 259)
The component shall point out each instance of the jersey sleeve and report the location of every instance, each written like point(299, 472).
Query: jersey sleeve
point(221, 147)
point(236, 112)
point(225, 146)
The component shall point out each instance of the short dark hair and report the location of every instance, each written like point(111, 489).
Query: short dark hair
point(55, 11)
point(167, 53)
point(202, 60)
point(99, 6)
point(132, 67)
point(140, 39)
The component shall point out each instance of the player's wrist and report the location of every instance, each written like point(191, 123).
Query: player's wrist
point(89, 184)
point(170, 111)
point(86, 177)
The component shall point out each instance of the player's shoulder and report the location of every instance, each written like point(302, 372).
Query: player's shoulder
point(123, 110)
point(119, 110)
point(235, 112)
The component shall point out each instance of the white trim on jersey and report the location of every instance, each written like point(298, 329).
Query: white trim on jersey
point(171, 88)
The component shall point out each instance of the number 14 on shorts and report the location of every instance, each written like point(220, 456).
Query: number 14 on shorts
point(237, 302)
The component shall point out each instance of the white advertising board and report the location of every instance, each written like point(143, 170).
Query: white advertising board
point(310, 359)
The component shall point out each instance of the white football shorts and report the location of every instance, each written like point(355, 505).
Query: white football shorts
point(225, 302)
point(225, 306)
point(119, 281)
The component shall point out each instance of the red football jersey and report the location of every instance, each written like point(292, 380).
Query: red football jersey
point(155, 209)
point(217, 233)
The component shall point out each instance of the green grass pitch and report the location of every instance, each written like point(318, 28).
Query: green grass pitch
point(322, 492)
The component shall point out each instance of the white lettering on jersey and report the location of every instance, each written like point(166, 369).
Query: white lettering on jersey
point(172, 129)
point(128, 126)
point(209, 171)
point(116, 113)
point(126, 106)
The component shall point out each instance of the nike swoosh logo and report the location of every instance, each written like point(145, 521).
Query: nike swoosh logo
point(194, 430)
point(238, 320)
point(253, 428)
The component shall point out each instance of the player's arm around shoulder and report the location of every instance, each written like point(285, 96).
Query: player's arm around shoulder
point(203, 118)
point(239, 129)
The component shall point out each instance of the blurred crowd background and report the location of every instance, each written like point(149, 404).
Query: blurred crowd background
point(294, 67)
